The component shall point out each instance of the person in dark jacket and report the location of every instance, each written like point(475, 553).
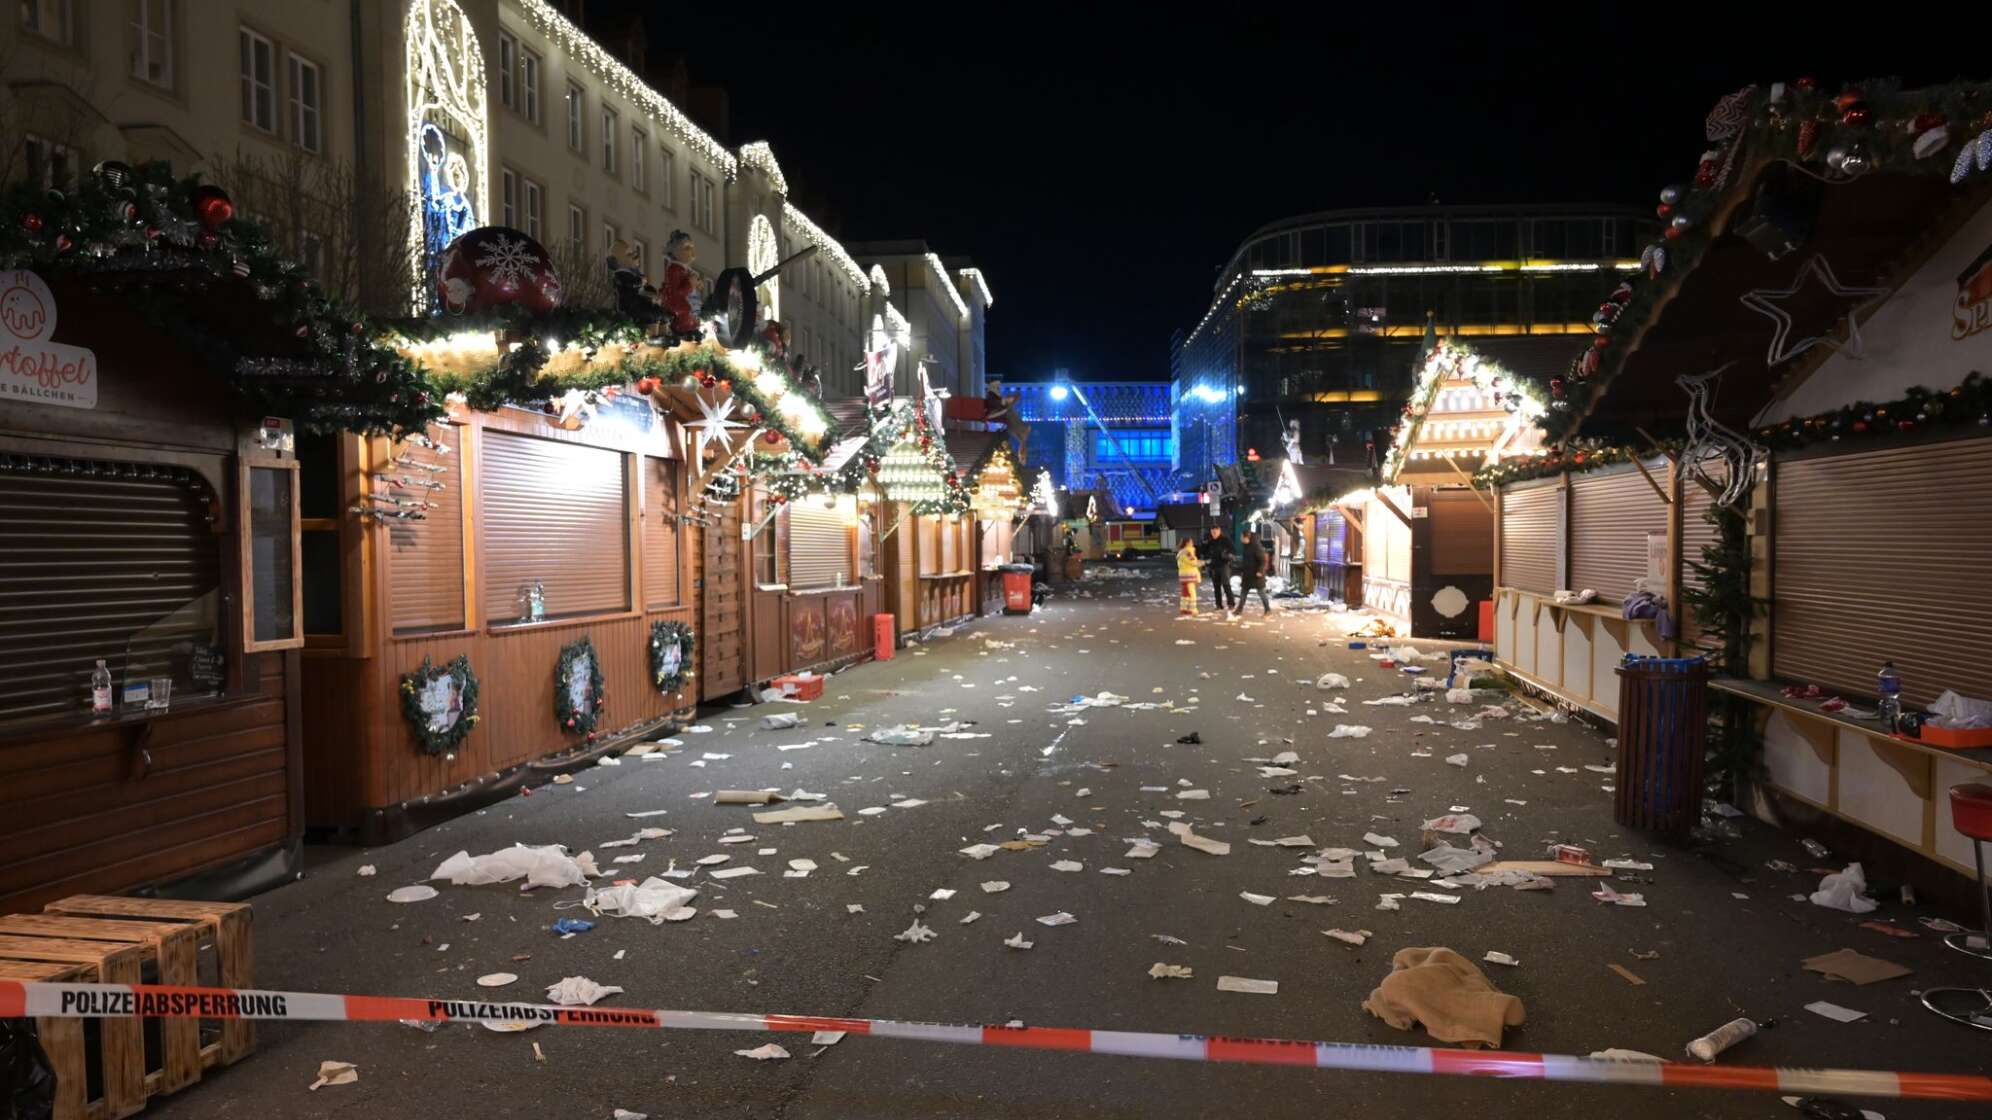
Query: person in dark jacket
point(1253, 560)
point(1215, 551)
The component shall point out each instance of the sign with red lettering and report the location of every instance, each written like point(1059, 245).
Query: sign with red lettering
point(32, 368)
point(1973, 311)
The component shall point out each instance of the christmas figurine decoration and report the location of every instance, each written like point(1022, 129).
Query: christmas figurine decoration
point(495, 267)
point(636, 297)
point(681, 286)
point(776, 334)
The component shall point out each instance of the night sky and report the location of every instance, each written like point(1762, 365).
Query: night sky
point(1102, 166)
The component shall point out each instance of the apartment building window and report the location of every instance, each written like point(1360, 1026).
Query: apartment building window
point(667, 170)
point(535, 198)
point(610, 235)
point(259, 80)
point(50, 164)
point(152, 42)
point(576, 127)
point(610, 125)
point(508, 61)
point(529, 84)
point(508, 198)
point(307, 92)
point(699, 197)
point(577, 227)
point(639, 249)
point(51, 19)
point(639, 159)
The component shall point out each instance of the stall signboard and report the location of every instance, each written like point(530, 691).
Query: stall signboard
point(32, 368)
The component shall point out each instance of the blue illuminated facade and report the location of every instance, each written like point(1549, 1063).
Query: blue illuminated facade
point(1134, 457)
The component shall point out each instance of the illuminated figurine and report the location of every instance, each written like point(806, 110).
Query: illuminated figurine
point(776, 334)
point(680, 295)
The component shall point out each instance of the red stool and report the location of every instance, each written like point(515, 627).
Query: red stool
point(1971, 815)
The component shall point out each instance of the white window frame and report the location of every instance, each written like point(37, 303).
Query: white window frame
point(611, 124)
point(640, 249)
point(577, 227)
point(50, 149)
point(639, 160)
point(529, 82)
point(577, 118)
point(307, 121)
point(508, 61)
point(667, 186)
point(508, 195)
point(252, 39)
point(610, 234)
point(534, 197)
point(147, 37)
point(38, 15)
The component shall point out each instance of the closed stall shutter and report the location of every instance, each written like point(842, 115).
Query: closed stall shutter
point(425, 584)
point(1882, 556)
point(819, 546)
point(1611, 512)
point(1529, 543)
point(1462, 535)
point(660, 533)
point(554, 513)
point(111, 560)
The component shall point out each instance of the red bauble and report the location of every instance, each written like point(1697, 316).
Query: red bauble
point(1807, 82)
point(772, 438)
point(1848, 99)
point(1860, 425)
point(1905, 425)
point(1601, 341)
point(31, 222)
point(1663, 209)
point(62, 243)
point(1556, 386)
point(1857, 116)
point(496, 267)
point(1673, 233)
point(723, 384)
point(1705, 174)
point(212, 206)
point(647, 385)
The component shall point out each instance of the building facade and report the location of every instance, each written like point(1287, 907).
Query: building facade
point(1114, 436)
point(944, 308)
point(1318, 318)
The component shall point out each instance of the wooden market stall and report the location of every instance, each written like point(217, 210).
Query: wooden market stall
point(989, 470)
point(1803, 360)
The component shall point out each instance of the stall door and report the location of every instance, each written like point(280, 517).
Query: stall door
point(722, 601)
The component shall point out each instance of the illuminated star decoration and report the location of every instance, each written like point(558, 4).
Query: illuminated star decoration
point(1765, 301)
point(714, 426)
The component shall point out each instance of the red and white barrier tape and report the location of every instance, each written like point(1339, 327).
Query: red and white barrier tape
point(98, 1001)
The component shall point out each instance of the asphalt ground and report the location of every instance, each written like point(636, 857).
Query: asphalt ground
point(1247, 688)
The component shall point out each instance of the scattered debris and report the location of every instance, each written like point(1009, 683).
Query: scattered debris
point(1059, 919)
point(1443, 991)
point(1493, 957)
point(916, 933)
point(1017, 941)
point(1349, 936)
point(411, 894)
point(768, 1052)
point(1855, 968)
point(1629, 976)
point(1160, 971)
point(335, 1073)
point(496, 979)
point(1248, 985)
point(1835, 1012)
point(1721, 1038)
point(1845, 890)
point(579, 991)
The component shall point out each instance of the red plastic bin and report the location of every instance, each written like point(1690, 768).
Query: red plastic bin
point(884, 636)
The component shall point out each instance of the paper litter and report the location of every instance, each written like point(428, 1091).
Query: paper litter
point(1375, 840)
point(1835, 1012)
point(1160, 971)
point(901, 736)
point(496, 979)
point(1248, 985)
point(916, 933)
point(1068, 865)
point(1855, 968)
point(781, 721)
point(1844, 890)
point(732, 872)
point(1349, 731)
point(1605, 893)
point(764, 1053)
point(366, 871)
point(1327, 681)
point(1142, 849)
point(335, 1073)
point(1200, 843)
point(579, 991)
point(797, 814)
point(411, 894)
point(1059, 919)
point(995, 886)
point(1256, 899)
point(546, 866)
point(1017, 941)
point(1456, 759)
point(1494, 957)
point(1349, 936)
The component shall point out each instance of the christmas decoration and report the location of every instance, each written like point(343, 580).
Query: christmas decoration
point(1449, 362)
point(680, 291)
point(1709, 442)
point(1968, 403)
point(496, 267)
point(1719, 600)
point(715, 426)
point(1768, 302)
point(577, 688)
point(671, 649)
point(212, 206)
point(440, 704)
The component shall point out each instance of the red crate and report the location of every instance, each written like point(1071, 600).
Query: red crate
point(802, 688)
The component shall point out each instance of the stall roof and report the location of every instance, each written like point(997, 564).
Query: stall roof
point(1466, 410)
point(971, 449)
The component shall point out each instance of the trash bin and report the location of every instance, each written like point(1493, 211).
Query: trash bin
point(1017, 588)
point(885, 639)
point(1663, 728)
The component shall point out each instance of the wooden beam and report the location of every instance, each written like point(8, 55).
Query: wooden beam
point(1655, 445)
point(1468, 479)
point(1351, 513)
point(1392, 507)
point(1665, 498)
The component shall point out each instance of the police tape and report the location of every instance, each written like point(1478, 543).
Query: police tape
point(20, 999)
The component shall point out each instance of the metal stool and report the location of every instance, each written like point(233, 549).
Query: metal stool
point(1971, 814)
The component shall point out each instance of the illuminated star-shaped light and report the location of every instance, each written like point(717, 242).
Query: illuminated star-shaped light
point(713, 426)
point(1767, 301)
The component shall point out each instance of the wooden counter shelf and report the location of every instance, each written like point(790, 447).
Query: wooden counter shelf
point(1771, 694)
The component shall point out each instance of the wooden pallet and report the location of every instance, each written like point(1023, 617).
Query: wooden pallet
point(228, 925)
point(121, 1054)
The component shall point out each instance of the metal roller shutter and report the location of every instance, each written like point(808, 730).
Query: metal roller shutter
point(554, 513)
point(1881, 556)
point(425, 583)
point(110, 560)
point(1462, 534)
point(1529, 537)
point(660, 532)
point(1611, 512)
point(819, 546)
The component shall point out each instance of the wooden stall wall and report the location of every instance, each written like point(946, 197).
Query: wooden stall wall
point(1454, 572)
point(946, 570)
point(826, 592)
point(1387, 556)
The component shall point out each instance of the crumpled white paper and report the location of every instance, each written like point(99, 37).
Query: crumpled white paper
point(1956, 711)
point(1844, 891)
point(1327, 681)
point(335, 1073)
point(769, 1052)
point(547, 866)
point(1160, 971)
point(579, 991)
point(915, 933)
point(1349, 731)
point(653, 900)
point(901, 736)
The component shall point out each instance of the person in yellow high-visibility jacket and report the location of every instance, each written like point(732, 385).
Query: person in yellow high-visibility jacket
point(1189, 573)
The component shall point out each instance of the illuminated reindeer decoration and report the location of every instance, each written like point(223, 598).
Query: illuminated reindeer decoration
point(1709, 441)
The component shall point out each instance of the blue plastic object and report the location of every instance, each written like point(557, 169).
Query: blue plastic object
point(572, 925)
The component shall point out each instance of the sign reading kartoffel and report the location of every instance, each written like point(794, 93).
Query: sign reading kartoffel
point(31, 367)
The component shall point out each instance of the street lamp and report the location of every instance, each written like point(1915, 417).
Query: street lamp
point(1060, 392)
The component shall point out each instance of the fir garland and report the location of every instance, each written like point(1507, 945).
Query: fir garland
point(664, 637)
point(1839, 135)
point(1579, 457)
point(1723, 609)
point(180, 237)
point(579, 720)
point(1967, 403)
point(414, 684)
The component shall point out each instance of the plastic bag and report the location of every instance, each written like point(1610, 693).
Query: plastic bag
point(30, 1080)
point(549, 866)
point(651, 900)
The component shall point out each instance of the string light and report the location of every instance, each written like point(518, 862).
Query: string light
point(829, 246)
point(878, 281)
point(445, 78)
point(571, 39)
point(761, 157)
point(1448, 362)
point(981, 283)
point(947, 285)
point(900, 328)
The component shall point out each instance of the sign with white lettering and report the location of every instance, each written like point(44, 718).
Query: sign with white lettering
point(32, 368)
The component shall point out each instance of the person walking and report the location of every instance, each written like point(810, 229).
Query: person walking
point(1253, 560)
point(1217, 557)
point(1189, 573)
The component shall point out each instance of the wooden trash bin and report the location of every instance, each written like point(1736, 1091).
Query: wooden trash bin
point(120, 1054)
point(1663, 730)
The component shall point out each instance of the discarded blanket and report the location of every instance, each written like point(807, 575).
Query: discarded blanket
point(1444, 991)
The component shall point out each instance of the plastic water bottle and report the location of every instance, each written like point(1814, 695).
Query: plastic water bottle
point(100, 689)
point(1889, 686)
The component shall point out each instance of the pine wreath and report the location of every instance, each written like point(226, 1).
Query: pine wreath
point(578, 703)
point(435, 732)
point(670, 674)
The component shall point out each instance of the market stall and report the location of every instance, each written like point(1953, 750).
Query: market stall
point(996, 502)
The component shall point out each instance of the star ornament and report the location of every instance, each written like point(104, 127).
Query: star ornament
point(1816, 292)
point(714, 425)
